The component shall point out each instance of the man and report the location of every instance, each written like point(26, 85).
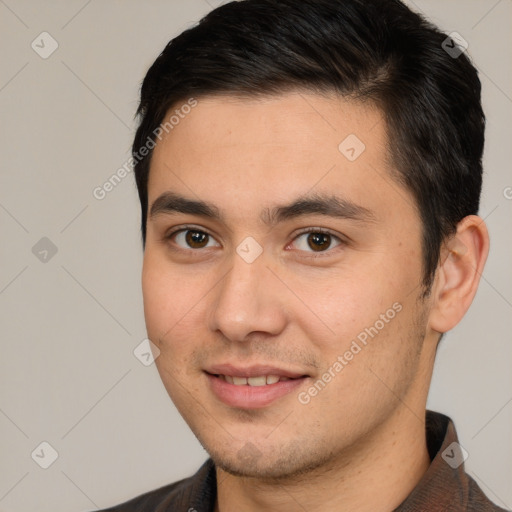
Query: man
point(309, 174)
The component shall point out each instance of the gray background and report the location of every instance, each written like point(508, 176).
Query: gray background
point(70, 322)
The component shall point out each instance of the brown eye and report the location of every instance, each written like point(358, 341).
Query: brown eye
point(193, 239)
point(319, 241)
point(196, 239)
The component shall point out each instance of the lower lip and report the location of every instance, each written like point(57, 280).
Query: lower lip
point(252, 397)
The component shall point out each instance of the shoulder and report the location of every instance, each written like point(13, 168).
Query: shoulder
point(478, 501)
point(182, 495)
point(153, 500)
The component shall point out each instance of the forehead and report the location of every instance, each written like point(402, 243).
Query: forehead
point(248, 153)
point(303, 122)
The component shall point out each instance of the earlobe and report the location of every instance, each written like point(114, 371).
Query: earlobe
point(462, 262)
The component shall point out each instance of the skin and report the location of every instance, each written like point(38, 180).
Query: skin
point(359, 444)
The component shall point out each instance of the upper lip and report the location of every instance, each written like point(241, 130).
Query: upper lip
point(253, 371)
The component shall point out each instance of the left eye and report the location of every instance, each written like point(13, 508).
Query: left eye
point(316, 241)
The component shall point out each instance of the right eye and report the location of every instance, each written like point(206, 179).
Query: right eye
point(190, 238)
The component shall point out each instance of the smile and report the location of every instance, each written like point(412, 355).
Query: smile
point(262, 380)
point(252, 392)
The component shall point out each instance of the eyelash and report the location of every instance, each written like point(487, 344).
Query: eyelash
point(320, 254)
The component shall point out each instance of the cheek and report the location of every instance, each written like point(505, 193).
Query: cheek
point(169, 315)
point(345, 302)
point(156, 300)
point(171, 300)
point(164, 296)
point(175, 303)
point(364, 314)
point(366, 367)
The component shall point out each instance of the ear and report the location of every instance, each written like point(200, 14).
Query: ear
point(462, 262)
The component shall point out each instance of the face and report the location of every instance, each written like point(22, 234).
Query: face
point(282, 280)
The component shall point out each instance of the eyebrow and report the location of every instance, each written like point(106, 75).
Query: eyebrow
point(310, 204)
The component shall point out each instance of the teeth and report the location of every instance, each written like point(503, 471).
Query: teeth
point(257, 381)
point(261, 380)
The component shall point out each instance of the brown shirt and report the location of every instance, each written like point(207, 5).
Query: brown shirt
point(445, 487)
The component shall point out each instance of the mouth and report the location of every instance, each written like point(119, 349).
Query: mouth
point(254, 387)
point(260, 380)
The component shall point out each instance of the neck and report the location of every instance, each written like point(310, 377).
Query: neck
point(376, 475)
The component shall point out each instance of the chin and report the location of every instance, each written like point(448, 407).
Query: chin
point(250, 462)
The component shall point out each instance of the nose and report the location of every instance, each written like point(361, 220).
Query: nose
point(249, 299)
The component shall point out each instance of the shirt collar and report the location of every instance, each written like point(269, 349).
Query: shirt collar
point(445, 482)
